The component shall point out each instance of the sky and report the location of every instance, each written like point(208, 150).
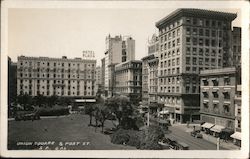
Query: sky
point(68, 32)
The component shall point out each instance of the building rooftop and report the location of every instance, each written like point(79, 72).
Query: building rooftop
point(196, 13)
point(64, 58)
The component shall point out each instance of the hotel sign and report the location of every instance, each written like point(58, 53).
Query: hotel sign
point(88, 54)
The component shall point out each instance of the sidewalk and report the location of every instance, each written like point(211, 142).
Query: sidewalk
point(227, 145)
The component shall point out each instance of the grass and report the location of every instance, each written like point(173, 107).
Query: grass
point(71, 128)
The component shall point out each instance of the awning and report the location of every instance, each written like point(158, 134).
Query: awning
point(85, 100)
point(236, 135)
point(164, 112)
point(217, 128)
point(163, 121)
point(207, 125)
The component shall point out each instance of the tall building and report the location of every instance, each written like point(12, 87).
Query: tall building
point(98, 79)
point(56, 76)
point(149, 72)
point(103, 75)
point(190, 40)
point(117, 50)
point(128, 80)
point(236, 46)
point(218, 87)
point(12, 81)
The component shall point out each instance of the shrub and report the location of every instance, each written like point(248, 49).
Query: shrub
point(120, 136)
point(57, 111)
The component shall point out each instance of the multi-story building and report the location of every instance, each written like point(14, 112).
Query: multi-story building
point(190, 40)
point(12, 81)
point(237, 102)
point(103, 76)
point(98, 79)
point(56, 76)
point(128, 80)
point(218, 87)
point(149, 72)
point(117, 51)
point(236, 46)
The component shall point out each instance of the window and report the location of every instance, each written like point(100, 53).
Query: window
point(188, 50)
point(201, 52)
point(213, 43)
point(194, 61)
point(215, 93)
point(178, 51)
point(200, 61)
point(194, 31)
point(178, 32)
point(207, 43)
point(188, 39)
point(193, 89)
point(187, 69)
point(207, 23)
point(226, 95)
point(213, 33)
point(188, 31)
point(201, 32)
point(227, 81)
point(188, 60)
point(207, 33)
point(201, 42)
point(187, 89)
point(194, 51)
point(178, 41)
point(205, 94)
point(188, 20)
point(226, 108)
point(194, 41)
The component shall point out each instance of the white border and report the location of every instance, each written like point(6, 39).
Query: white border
point(243, 153)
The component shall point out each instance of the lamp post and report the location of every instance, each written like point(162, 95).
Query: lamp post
point(218, 143)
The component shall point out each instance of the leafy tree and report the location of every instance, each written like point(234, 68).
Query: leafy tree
point(25, 100)
point(90, 110)
point(52, 100)
point(101, 114)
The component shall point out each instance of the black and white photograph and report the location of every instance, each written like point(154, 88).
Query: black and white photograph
point(169, 77)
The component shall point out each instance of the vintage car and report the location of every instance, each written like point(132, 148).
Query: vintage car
point(196, 134)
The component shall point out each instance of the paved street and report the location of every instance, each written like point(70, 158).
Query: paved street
point(178, 132)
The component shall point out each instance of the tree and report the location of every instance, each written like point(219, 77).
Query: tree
point(90, 110)
point(101, 114)
point(25, 100)
point(52, 100)
point(39, 100)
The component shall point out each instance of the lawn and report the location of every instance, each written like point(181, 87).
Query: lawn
point(69, 132)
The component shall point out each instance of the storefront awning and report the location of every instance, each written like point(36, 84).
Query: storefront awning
point(217, 128)
point(236, 135)
point(207, 125)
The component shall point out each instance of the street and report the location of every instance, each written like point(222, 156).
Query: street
point(179, 133)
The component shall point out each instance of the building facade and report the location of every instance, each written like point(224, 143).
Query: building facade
point(190, 40)
point(12, 81)
point(128, 80)
point(118, 49)
point(218, 87)
point(150, 72)
point(98, 79)
point(56, 76)
point(236, 46)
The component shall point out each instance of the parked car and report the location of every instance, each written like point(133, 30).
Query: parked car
point(196, 134)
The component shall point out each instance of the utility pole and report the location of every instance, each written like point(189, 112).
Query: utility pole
point(218, 143)
point(148, 117)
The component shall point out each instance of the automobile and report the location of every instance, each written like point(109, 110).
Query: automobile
point(27, 115)
point(196, 134)
point(164, 143)
point(182, 146)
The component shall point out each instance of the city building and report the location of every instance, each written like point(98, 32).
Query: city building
point(190, 40)
point(218, 87)
point(149, 72)
point(118, 49)
point(12, 81)
point(236, 46)
point(56, 76)
point(128, 80)
point(103, 76)
point(237, 101)
point(98, 79)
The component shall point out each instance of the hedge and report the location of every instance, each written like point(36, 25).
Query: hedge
point(53, 111)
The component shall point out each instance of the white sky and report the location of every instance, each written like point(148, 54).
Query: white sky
point(67, 32)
